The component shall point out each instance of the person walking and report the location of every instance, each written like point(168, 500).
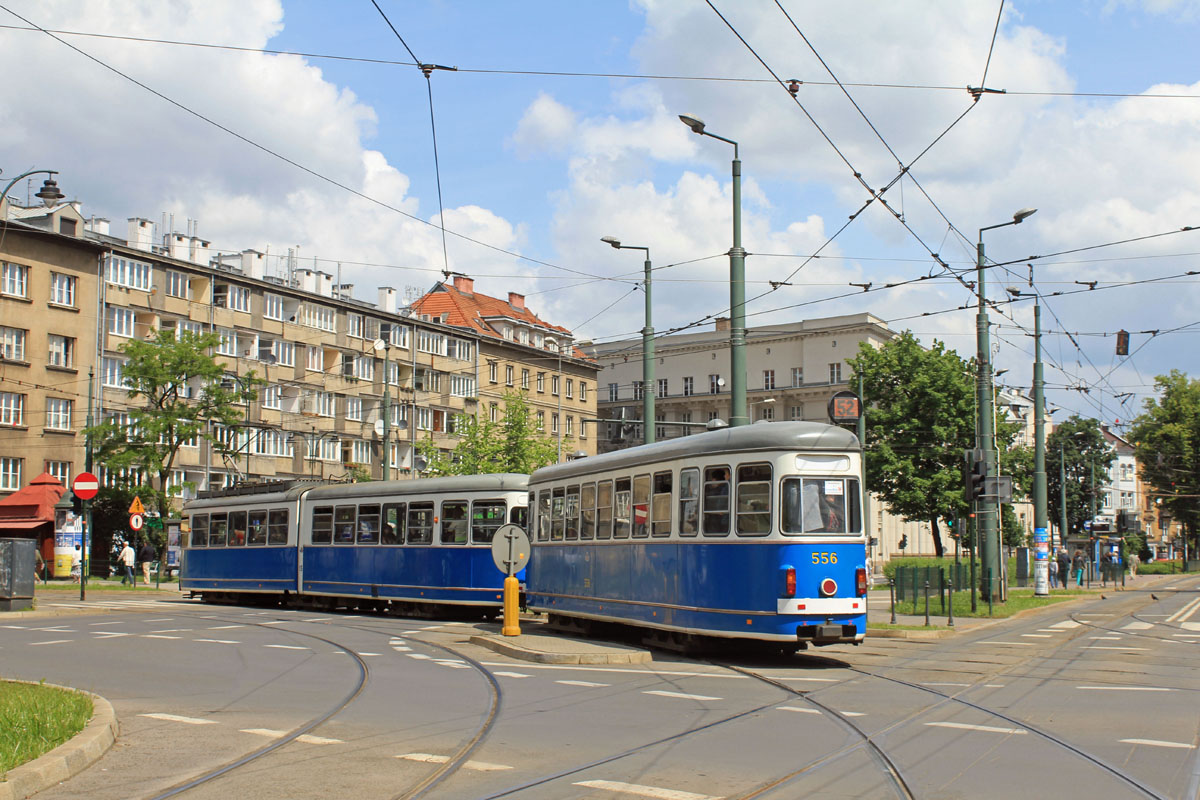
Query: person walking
point(125, 559)
point(1077, 567)
point(1134, 560)
point(39, 569)
point(1052, 573)
point(76, 565)
point(1063, 562)
point(146, 555)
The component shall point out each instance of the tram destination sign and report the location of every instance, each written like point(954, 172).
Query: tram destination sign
point(844, 408)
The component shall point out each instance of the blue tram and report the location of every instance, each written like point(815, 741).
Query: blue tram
point(421, 544)
point(748, 533)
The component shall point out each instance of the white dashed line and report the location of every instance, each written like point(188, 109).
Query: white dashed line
point(225, 627)
point(177, 718)
point(1125, 688)
point(585, 684)
point(114, 622)
point(159, 636)
point(429, 758)
point(945, 684)
point(1050, 630)
point(852, 713)
point(306, 738)
point(401, 649)
point(1105, 638)
point(52, 641)
point(286, 646)
point(654, 792)
point(1036, 635)
point(511, 674)
point(1014, 644)
point(217, 641)
point(274, 622)
point(1137, 626)
point(1159, 743)
point(1065, 624)
point(111, 634)
point(420, 656)
point(799, 710)
point(965, 727)
point(681, 696)
point(370, 654)
point(1106, 647)
point(809, 680)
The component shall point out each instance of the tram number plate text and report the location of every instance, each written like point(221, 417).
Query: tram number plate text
point(824, 558)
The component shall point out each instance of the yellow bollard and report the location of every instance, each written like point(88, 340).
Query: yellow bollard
point(512, 622)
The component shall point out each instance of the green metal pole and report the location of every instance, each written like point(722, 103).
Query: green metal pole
point(387, 408)
point(1062, 492)
point(648, 386)
point(87, 504)
point(1043, 542)
point(737, 306)
point(986, 517)
point(862, 441)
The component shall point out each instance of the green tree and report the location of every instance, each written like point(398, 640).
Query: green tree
point(1080, 445)
point(178, 392)
point(1166, 438)
point(920, 418)
point(513, 444)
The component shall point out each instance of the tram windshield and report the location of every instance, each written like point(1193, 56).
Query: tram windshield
point(821, 505)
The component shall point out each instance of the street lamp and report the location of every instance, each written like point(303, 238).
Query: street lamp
point(1041, 515)
point(988, 517)
point(767, 401)
point(647, 347)
point(48, 194)
point(737, 286)
point(384, 345)
point(559, 433)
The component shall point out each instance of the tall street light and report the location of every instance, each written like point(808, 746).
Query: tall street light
point(737, 287)
point(1043, 542)
point(988, 511)
point(384, 345)
point(648, 386)
point(48, 194)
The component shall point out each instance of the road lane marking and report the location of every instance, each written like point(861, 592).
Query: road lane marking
point(159, 636)
point(1107, 647)
point(1190, 626)
point(225, 627)
point(1015, 644)
point(306, 738)
point(401, 649)
point(810, 680)
point(1185, 635)
point(110, 634)
point(274, 622)
point(173, 630)
point(1050, 630)
point(798, 710)
point(1137, 626)
point(429, 758)
point(1096, 614)
point(965, 727)
point(1159, 743)
point(852, 713)
point(55, 629)
point(654, 792)
point(1185, 612)
point(507, 674)
point(1106, 638)
point(1125, 688)
point(177, 718)
point(993, 686)
point(52, 641)
point(217, 641)
point(115, 622)
point(286, 646)
point(586, 684)
point(164, 619)
point(1066, 623)
point(930, 683)
point(681, 696)
point(1037, 635)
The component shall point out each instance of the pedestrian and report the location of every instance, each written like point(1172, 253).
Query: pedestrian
point(125, 559)
point(1105, 567)
point(146, 555)
point(1052, 573)
point(39, 570)
point(1134, 560)
point(76, 565)
point(1077, 567)
point(1063, 562)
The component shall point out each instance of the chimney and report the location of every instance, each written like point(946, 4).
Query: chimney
point(307, 280)
point(387, 299)
point(98, 225)
point(722, 324)
point(517, 301)
point(253, 264)
point(141, 234)
point(465, 285)
point(178, 246)
point(324, 284)
point(200, 251)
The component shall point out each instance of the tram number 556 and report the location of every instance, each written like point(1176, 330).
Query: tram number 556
point(824, 558)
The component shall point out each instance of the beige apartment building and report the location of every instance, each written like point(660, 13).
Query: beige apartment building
point(73, 293)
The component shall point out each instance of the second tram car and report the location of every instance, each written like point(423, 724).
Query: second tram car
point(751, 533)
point(422, 543)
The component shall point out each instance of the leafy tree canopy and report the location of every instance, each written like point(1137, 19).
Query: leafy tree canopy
point(1080, 445)
point(515, 443)
point(1166, 438)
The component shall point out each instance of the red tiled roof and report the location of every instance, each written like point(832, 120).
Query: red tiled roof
point(33, 505)
point(470, 309)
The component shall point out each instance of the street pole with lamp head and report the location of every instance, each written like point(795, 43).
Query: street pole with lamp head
point(384, 344)
point(648, 386)
point(48, 194)
point(988, 517)
point(737, 286)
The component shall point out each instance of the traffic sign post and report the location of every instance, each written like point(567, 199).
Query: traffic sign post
point(85, 486)
point(136, 522)
point(510, 552)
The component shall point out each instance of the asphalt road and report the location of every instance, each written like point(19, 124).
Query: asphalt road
point(1098, 698)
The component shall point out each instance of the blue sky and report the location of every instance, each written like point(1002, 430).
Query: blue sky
point(543, 166)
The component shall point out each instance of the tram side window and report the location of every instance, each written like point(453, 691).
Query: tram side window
point(322, 525)
point(660, 505)
point(216, 530)
point(420, 523)
point(754, 499)
point(368, 524)
point(556, 515)
point(455, 522)
point(604, 509)
point(237, 528)
point(821, 505)
point(343, 524)
point(571, 512)
point(543, 516)
point(393, 524)
point(641, 506)
point(587, 502)
point(486, 518)
point(277, 526)
point(519, 515)
point(622, 508)
point(716, 501)
point(200, 530)
point(689, 502)
point(256, 528)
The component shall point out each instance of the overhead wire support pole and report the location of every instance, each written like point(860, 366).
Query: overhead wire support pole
point(648, 383)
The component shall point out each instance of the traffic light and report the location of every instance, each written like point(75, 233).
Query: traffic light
point(1122, 343)
point(974, 472)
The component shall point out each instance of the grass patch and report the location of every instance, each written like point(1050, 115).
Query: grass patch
point(35, 719)
point(884, 626)
point(1018, 600)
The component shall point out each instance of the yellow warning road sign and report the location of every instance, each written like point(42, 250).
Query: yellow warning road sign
point(137, 507)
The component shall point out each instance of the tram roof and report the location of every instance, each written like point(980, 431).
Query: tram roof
point(802, 436)
point(498, 482)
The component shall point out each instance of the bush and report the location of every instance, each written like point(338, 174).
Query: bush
point(1160, 568)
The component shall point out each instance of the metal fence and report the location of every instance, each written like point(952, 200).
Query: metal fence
point(910, 582)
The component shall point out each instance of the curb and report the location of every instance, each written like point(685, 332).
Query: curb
point(892, 633)
point(69, 758)
point(540, 657)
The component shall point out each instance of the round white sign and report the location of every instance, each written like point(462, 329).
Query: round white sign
point(510, 549)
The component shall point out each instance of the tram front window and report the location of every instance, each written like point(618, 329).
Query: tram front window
point(820, 505)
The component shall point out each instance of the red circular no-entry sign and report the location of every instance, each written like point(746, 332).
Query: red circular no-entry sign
point(85, 486)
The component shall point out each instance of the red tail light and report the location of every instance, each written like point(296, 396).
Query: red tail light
point(860, 582)
point(789, 582)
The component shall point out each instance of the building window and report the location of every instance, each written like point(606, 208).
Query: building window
point(121, 321)
point(285, 354)
point(229, 342)
point(10, 474)
point(130, 273)
point(462, 386)
point(663, 388)
point(612, 392)
point(326, 404)
point(688, 386)
point(583, 391)
point(570, 388)
point(554, 423)
point(492, 367)
point(112, 372)
point(61, 351)
point(767, 412)
point(460, 349)
point(639, 390)
point(508, 375)
point(14, 279)
point(12, 344)
point(354, 325)
point(354, 408)
point(714, 384)
point(62, 289)
point(432, 343)
point(570, 426)
point(541, 382)
point(554, 383)
point(238, 298)
point(178, 285)
point(316, 359)
point(768, 379)
point(796, 412)
point(494, 412)
point(835, 372)
point(364, 368)
point(797, 376)
point(712, 415)
point(525, 379)
point(541, 420)
point(273, 307)
point(319, 317)
point(12, 409)
point(272, 397)
point(60, 470)
point(58, 414)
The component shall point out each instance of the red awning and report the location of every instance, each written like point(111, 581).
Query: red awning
point(21, 524)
